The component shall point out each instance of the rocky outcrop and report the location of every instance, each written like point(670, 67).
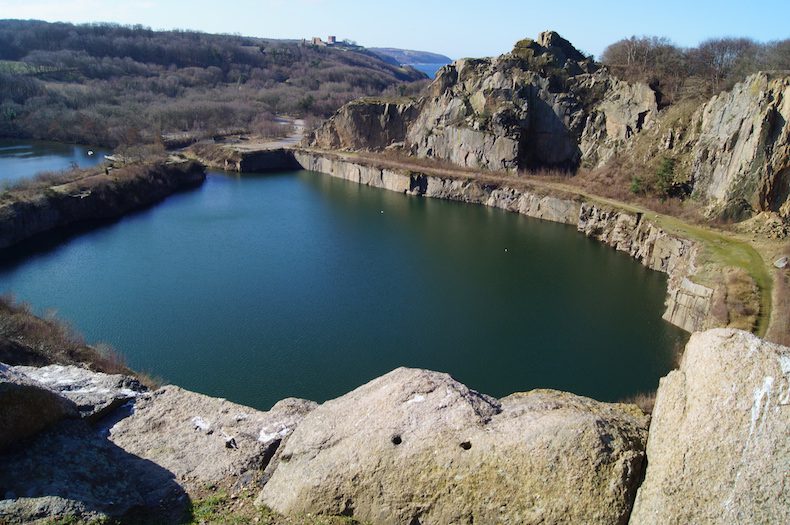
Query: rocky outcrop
point(415, 446)
point(718, 449)
point(201, 439)
point(95, 394)
point(232, 157)
point(418, 447)
point(741, 155)
point(366, 124)
point(26, 212)
point(142, 460)
point(27, 407)
point(543, 104)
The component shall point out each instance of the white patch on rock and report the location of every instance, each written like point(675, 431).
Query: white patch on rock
point(200, 424)
point(419, 398)
point(760, 394)
point(267, 436)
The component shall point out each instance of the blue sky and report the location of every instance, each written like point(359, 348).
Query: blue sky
point(455, 28)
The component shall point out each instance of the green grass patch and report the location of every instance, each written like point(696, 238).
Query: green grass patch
point(719, 251)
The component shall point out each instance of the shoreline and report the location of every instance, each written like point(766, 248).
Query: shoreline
point(693, 256)
point(36, 207)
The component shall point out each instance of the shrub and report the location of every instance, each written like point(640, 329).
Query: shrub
point(665, 177)
point(637, 185)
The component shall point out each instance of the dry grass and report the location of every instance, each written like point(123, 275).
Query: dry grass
point(646, 401)
point(47, 179)
point(26, 339)
point(224, 505)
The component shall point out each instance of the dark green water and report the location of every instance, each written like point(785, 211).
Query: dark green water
point(297, 284)
point(20, 159)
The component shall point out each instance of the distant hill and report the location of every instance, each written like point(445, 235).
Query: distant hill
point(409, 57)
point(106, 84)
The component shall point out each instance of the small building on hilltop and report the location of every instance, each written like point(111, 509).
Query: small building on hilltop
point(330, 41)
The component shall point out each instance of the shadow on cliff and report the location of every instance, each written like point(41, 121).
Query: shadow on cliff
point(74, 470)
point(548, 143)
point(46, 242)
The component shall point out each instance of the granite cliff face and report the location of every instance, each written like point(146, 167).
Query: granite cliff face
point(543, 104)
point(718, 449)
point(741, 155)
point(367, 124)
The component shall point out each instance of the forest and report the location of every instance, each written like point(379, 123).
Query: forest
point(113, 85)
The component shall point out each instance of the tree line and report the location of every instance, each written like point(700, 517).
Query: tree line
point(679, 73)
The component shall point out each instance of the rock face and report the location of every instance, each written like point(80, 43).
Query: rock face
point(25, 213)
point(718, 450)
point(204, 439)
point(142, 460)
point(366, 124)
point(741, 157)
point(27, 407)
point(543, 104)
point(418, 447)
point(94, 393)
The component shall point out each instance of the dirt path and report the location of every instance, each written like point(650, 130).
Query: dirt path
point(292, 139)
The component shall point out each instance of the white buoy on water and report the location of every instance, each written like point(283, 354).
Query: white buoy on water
point(90, 153)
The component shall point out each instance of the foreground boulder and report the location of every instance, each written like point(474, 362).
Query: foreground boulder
point(418, 447)
point(141, 464)
point(96, 394)
point(27, 407)
point(203, 439)
point(719, 450)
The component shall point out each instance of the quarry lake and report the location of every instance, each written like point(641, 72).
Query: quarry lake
point(261, 287)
